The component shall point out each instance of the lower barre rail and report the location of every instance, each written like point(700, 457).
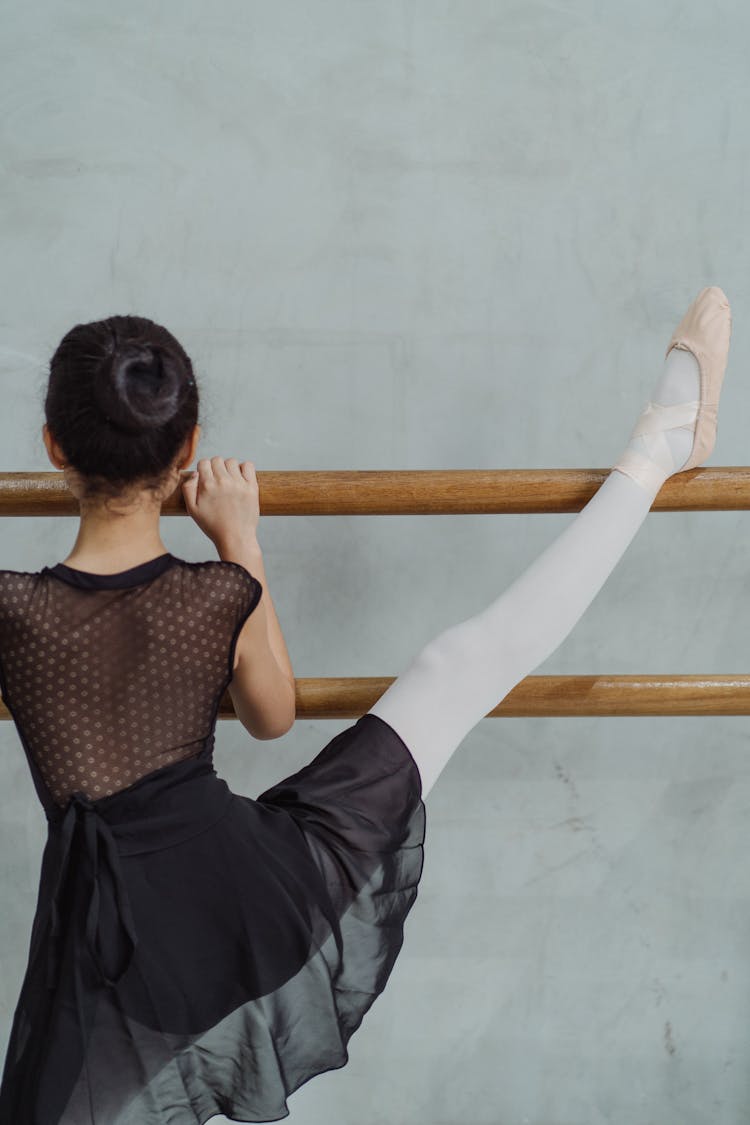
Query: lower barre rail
point(537, 696)
point(546, 696)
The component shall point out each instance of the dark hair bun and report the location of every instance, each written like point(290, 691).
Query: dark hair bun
point(140, 388)
point(122, 401)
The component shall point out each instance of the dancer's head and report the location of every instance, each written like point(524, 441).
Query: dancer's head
point(121, 411)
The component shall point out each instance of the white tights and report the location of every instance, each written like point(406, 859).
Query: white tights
point(467, 669)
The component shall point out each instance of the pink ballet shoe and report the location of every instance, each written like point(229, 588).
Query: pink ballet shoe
point(704, 331)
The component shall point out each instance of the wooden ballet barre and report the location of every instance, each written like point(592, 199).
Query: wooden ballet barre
point(545, 696)
point(537, 696)
point(413, 492)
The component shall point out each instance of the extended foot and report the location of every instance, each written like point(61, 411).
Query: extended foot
point(677, 429)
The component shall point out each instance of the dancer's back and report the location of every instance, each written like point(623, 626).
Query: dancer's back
point(109, 677)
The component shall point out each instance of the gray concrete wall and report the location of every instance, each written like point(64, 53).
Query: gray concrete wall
point(434, 235)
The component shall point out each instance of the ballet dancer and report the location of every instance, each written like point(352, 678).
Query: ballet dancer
point(196, 951)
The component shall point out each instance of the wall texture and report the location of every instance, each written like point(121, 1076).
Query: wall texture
point(412, 234)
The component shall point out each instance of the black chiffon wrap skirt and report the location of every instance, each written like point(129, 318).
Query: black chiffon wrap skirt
point(197, 952)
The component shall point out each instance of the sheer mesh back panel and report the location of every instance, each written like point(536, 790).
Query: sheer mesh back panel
point(106, 685)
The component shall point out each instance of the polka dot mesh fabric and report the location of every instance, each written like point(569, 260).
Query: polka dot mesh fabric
point(106, 685)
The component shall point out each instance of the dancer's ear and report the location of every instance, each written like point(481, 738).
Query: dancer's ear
point(190, 447)
point(54, 452)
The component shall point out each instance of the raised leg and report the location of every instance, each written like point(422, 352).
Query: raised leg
point(466, 670)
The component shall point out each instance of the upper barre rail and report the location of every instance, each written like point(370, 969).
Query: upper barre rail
point(364, 492)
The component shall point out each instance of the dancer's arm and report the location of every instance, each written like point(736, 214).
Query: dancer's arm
point(249, 554)
point(222, 498)
point(262, 687)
